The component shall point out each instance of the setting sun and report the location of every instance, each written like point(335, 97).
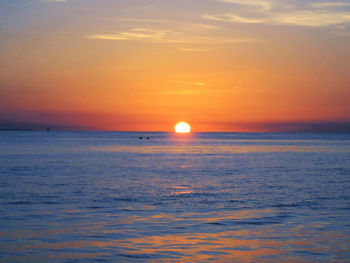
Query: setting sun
point(182, 127)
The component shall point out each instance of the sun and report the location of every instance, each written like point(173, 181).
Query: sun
point(182, 127)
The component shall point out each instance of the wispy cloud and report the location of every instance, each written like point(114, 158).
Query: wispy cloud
point(141, 34)
point(227, 17)
point(194, 49)
point(264, 5)
point(329, 4)
point(170, 23)
point(171, 31)
point(178, 92)
point(196, 83)
point(197, 91)
point(316, 14)
point(311, 18)
point(155, 35)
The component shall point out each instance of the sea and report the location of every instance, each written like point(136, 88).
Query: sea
point(166, 197)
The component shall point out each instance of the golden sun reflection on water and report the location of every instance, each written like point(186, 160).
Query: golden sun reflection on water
point(180, 190)
point(242, 245)
point(222, 241)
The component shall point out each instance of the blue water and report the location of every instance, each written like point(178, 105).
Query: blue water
point(205, 197)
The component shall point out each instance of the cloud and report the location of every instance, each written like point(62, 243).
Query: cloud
point(170, 23)
point(196, 83)
point(311, 18)
point(329, 4)
point(155, 35)
point(234, 89)
point(141, 34)
point(178, 92)
point(297, 18)
point(159, 31)
point(227, 17)
point(317, 14)
point(171, 31)
point(194, 49)
point(264, 5)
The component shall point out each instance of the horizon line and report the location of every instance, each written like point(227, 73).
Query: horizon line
point(86, 130)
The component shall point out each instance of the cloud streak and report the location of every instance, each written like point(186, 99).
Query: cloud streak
point(170, 23)
point(170, 31)
point(228, 17)
point(311, 18)
point(317, 14)
point(263, 5)
point(208, 90)
point(154, 35)
point(141, 34)
point(329, 4)
point(195, 83)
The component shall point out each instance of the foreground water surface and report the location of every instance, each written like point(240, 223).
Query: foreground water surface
point(204, 197)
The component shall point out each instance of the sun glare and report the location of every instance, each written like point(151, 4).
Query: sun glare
point(182, 127)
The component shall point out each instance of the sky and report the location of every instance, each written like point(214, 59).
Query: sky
point(144, 65)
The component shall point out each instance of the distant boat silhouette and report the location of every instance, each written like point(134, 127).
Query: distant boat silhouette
point(140, 137)
point(47, 129)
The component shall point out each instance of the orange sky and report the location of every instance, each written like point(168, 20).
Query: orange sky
point(221, 65)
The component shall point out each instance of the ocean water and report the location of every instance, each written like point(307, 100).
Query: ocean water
point(203, 197)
